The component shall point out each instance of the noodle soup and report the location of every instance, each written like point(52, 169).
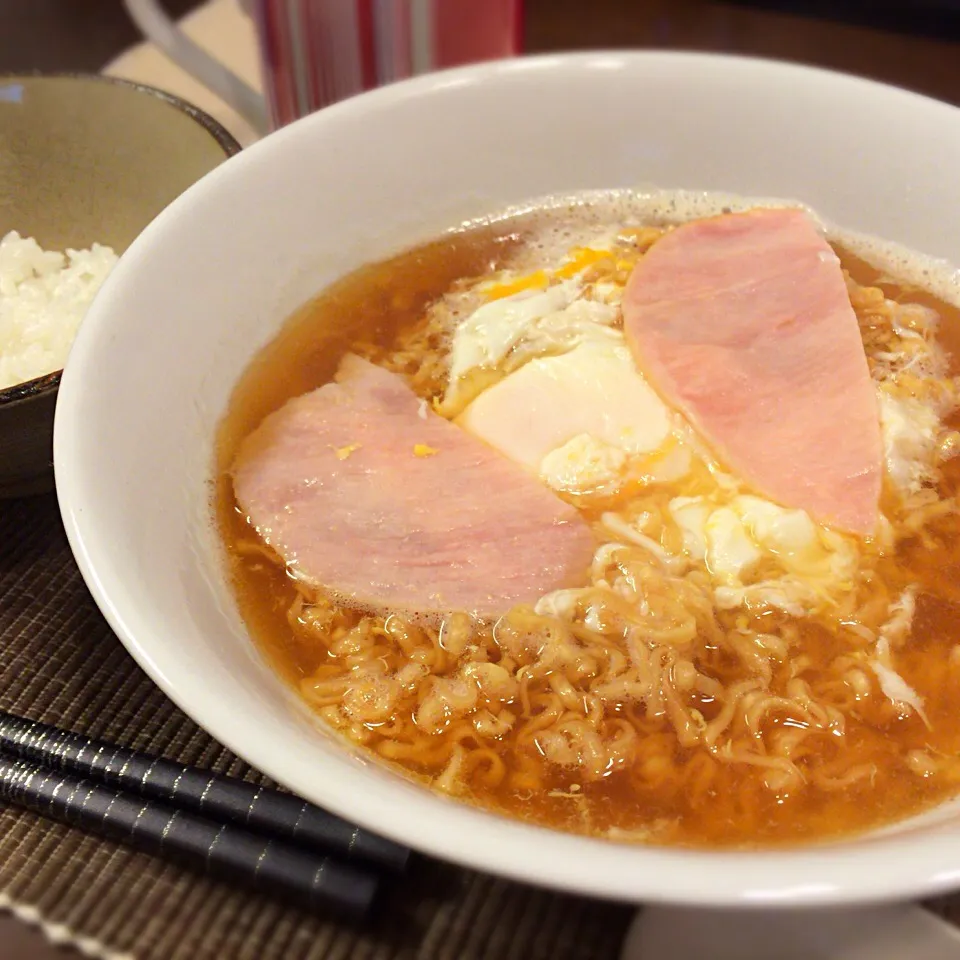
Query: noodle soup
point(727, 669)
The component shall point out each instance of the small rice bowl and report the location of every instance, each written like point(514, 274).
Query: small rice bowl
point(44, 295)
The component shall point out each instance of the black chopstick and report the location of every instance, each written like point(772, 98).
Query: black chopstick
point(210, 794)
point(223, 850)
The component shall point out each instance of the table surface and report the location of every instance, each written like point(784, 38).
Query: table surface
point(65, 35)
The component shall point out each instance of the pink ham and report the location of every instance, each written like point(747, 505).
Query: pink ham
point(743, 323)
point(369, 495)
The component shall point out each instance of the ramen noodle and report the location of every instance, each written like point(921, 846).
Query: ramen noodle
point(725, 667)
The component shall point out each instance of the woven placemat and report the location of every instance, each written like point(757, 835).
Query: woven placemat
point(61, 664)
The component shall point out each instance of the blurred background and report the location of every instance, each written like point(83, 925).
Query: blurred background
point(908, 42)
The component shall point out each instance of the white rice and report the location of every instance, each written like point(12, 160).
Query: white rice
point(43, 297)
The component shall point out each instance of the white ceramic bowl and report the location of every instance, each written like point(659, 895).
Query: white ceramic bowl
point(213, 277)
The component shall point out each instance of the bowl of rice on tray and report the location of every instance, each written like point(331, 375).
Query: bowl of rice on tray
point(86, 163)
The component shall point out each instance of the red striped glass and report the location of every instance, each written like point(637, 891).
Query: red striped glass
point(316, 52)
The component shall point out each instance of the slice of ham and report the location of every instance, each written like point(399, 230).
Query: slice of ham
point(743, 323)
point(372, 497)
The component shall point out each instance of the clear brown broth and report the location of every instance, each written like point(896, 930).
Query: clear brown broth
point(374, 305)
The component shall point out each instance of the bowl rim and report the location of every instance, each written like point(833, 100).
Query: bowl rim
point(657, 874)
point(50, 381)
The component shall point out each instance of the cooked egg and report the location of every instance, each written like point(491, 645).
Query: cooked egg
point(507, 286)
point(731, 551)
point(690, 514)
point(896, 689)
point(573, 418)
point(910, 429)
point(582, 463)
point(491, 331)
point(731, 532)
point(731, 535)
point(503, 335)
